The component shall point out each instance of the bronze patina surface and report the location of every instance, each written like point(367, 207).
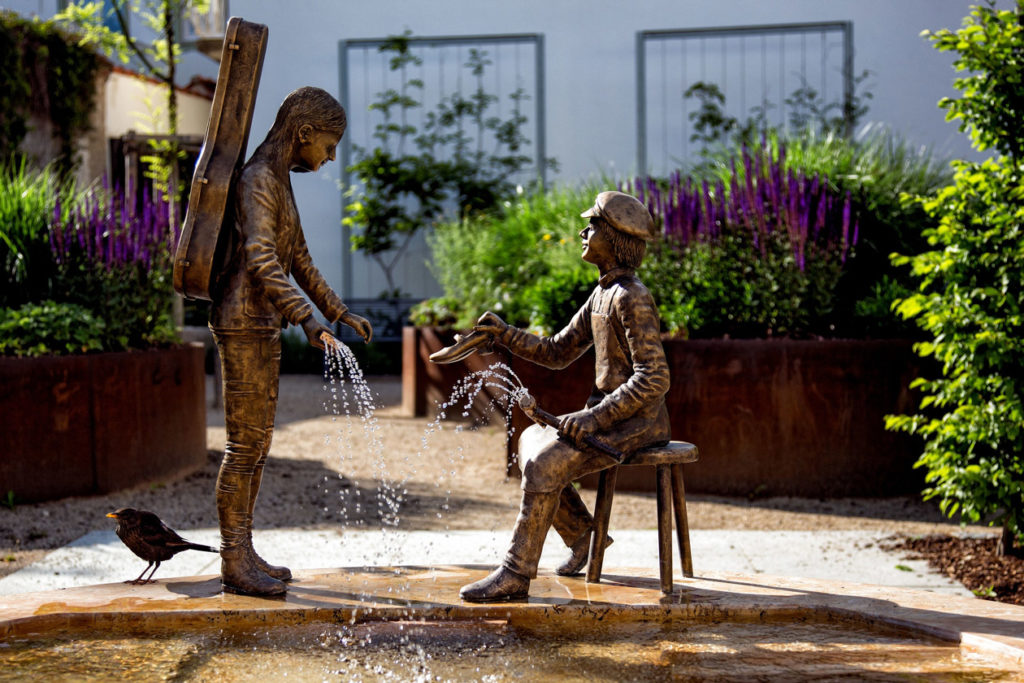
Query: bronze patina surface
point(255, 296)
point(626, 411)
point(209, 220)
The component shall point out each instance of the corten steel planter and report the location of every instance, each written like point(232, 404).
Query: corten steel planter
point(92, 424)
point(778, 417)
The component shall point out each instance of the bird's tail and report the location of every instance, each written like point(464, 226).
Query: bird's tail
point(200, 546)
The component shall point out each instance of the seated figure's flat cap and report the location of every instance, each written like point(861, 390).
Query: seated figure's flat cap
point(624, 213)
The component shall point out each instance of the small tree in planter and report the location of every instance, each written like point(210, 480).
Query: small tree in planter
point(413, 177)
point(970, 298)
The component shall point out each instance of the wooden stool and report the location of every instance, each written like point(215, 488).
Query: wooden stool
point(668, 462)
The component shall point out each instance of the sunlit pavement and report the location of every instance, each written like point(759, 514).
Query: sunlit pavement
point(855, 556)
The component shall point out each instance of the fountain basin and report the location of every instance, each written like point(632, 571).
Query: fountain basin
point(708, 627)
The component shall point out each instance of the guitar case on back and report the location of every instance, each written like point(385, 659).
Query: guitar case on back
point(207, 236)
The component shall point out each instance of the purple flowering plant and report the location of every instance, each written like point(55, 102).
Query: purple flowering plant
point(112, 252)
point(756, 252)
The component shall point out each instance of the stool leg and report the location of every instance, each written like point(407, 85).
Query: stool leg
point(665, 527)
point(602, 511)
point(682, 524)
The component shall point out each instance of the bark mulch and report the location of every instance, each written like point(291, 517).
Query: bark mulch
point(973, 562)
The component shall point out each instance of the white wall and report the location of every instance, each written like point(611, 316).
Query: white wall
point(138, 104)
point(31, 8)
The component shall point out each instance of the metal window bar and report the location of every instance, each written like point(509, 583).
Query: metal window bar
point(742, 77)
point(443, 64)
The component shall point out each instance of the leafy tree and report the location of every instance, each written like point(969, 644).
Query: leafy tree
point(158, 59)
point(463, 158)
point(970, 299)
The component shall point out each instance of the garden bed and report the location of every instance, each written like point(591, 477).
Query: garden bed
point(779, 417)
point(97, 423)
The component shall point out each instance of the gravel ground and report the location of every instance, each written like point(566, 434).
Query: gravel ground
point(325, 471)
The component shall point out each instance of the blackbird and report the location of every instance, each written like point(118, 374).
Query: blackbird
point(149, 538)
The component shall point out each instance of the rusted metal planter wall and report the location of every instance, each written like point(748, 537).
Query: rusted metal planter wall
point(800, 418)
point(803, 418)
point(80, 425)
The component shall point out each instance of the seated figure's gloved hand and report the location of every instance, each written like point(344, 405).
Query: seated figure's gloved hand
point(578, 425)
point(313, 329)
point(491, 324)
point(358, 323)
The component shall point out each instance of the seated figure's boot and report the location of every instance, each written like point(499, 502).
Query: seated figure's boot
point(579, 555)
point(501, 584)
point(239, 574)
point(575, 525)
point(512, 580)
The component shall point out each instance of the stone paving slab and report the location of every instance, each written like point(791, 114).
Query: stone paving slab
point(99, 557)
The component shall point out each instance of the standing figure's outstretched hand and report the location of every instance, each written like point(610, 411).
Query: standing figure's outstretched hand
point(314, 329)
point(358, 323)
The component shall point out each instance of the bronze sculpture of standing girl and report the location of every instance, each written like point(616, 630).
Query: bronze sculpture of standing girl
point(254, 301)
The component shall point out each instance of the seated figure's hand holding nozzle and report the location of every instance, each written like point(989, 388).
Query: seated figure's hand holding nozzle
point(479, 340)
point(491, 323)
point(529, 406)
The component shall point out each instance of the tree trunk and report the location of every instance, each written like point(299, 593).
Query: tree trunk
point(1005, 547)
point(173, 191)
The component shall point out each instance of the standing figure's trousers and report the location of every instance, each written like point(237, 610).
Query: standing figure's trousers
point(251, 362)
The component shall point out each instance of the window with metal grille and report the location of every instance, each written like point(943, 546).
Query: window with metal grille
point(760, 70)
point(513, 74)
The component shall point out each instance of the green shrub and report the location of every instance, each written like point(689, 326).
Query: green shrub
point(820, 270)
point(733, 288)
point(113, 254)
point(441, 311)
point(874, 170)
point(970, 300)
point(96, 250)
point(27, 202)
point(765, 246)
point(510, 262)
point(50, 328)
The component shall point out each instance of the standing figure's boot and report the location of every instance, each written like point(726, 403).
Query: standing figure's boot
point(239, 574)
point(575, 525)
point(238, 570)
point(511, 581)
point(280, 573)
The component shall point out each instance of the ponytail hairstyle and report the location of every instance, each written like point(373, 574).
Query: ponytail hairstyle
point(308, 105)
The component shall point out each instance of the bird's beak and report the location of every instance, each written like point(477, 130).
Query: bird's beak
point(112, 514)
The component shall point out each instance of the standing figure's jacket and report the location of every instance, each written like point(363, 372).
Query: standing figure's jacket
point(256, 292)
